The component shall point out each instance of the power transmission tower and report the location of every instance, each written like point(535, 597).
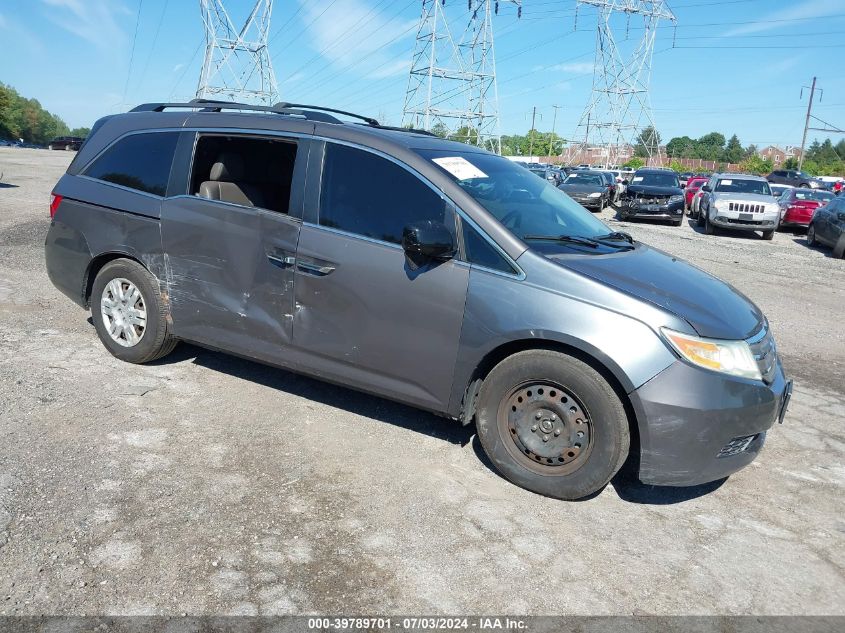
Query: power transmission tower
point(452, 84)
point(237, 61)
point(619, 104)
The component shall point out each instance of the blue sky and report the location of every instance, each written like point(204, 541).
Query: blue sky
point(733, 66)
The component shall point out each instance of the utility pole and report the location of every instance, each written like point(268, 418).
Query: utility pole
point(531, 134)
point(554, 120)
point(807, 124)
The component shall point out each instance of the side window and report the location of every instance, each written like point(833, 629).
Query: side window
point(481, 253)
point(244, 170)
point(371, 196)
point(139, 161)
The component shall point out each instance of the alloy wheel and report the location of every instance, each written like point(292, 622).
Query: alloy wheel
point(124, 312)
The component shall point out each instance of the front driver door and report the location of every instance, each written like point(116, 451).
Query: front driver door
point(363, 315)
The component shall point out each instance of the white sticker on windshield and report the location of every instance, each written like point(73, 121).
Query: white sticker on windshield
point(460, 167)
point(727, 183)
point(638, 178)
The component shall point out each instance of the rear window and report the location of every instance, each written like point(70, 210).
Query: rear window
point(139, 161)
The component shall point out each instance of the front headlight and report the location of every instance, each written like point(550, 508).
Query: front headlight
point(676, 199)
point(595, 195)
point(727, 357)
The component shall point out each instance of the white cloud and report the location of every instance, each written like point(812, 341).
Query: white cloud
point(576, 68)
point(95, 21)
point(177, 68)
point(391, 69)
point(778, 19)
point(352, 30)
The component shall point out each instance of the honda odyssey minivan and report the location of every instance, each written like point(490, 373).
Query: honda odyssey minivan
point(419, 269)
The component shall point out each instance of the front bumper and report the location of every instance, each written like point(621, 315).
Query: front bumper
point(634, 209)
point(698, 426)
point(590, 203)
point(733, 220)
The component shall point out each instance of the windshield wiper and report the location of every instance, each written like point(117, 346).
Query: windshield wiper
point(572, 239)
point(616, 235)
point(585, 241)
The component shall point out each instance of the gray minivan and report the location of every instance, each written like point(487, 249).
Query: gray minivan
point(426, 271)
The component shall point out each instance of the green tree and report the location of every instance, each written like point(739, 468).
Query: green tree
point(710, 146)
point(681, 147)
point(733, 151)
point(635, 163)
point(754, 164)
point(647, 142)
point(81, 132)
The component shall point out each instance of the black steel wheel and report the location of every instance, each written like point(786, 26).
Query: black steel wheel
point(550, 430)
point(552, 424)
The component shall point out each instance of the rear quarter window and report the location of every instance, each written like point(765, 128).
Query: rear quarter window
point(139, 161)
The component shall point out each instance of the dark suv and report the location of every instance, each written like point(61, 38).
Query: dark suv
point(66, 142)
point(419, 269)
point(653, 194)
point(794, 178)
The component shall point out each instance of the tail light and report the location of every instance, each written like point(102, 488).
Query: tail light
point(55, 201)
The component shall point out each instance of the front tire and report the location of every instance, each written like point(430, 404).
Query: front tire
point(552, 424)
point(769, 235)
point(129, 314)
point(811, 236)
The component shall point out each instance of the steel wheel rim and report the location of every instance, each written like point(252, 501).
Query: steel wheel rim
point(546, 428)
point(124, 312)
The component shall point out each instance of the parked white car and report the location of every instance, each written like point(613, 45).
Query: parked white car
point(739, 202)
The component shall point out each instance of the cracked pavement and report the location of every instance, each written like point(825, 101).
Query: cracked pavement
point(207, 484)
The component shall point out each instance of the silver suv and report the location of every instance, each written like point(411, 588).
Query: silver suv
point(419, 269)
point(739, 202)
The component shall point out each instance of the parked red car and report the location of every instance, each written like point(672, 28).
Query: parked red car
point(798, 205)
point(693, 185)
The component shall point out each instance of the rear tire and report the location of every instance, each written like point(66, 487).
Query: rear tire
point(552, 424)
point(133, 327)
point(811, 235)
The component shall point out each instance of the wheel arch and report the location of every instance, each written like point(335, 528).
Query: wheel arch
point(96, 265)
point(593, 357)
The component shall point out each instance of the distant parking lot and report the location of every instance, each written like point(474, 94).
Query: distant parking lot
point(207, 484)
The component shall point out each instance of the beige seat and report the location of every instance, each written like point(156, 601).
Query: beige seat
point(227, 183)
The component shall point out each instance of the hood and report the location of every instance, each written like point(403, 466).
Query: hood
point(714, 308)
point(585, 188)
point(654, 191)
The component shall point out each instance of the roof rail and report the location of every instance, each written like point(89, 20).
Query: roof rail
point(309, 112)
point(312, 113)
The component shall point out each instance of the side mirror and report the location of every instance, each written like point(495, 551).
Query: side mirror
point(428, 240)
point(625, 182)
point(705, 187)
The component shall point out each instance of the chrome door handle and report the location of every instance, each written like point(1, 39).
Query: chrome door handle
point(281, 262)
point(314, 269)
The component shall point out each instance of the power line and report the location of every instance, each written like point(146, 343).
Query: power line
point(153, 46)
point(132, 52)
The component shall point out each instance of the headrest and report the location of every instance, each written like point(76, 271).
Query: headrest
point(227, 168)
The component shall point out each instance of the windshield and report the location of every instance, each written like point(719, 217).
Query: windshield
point(521, 202)
point(811, 194)
point(584, 179)
point(732, 185)
point(656, 180)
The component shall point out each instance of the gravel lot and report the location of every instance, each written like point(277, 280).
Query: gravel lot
point(208, 484)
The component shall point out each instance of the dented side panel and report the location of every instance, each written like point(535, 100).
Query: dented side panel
point(224, 289)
